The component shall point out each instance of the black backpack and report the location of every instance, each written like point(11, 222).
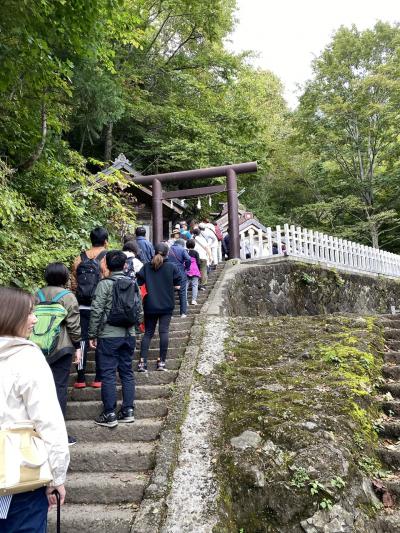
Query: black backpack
point(129, 269)
point(126, 307)
point(88, 275)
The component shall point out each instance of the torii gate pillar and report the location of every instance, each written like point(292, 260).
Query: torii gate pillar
point(229, 171)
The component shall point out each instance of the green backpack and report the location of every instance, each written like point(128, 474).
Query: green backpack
point(50, 315)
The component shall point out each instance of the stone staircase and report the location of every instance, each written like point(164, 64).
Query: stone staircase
point(110, 468)
point(389, 445)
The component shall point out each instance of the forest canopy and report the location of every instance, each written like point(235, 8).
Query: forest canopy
point(82, 82)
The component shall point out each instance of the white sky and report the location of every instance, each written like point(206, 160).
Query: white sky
point(288, 34)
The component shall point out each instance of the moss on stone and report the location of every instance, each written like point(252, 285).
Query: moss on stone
point(304, 383)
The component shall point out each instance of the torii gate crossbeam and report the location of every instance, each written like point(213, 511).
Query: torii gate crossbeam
point(229, 171)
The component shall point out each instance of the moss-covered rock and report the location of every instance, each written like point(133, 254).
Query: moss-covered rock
point(305, 386)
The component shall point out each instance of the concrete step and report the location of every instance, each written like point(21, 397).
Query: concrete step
point(153, 352)
point(93, 518)
point(173, 361)
point(390, 456)
point(392, 357)
point(142, 392)
point(106, 488)
point(393, 388)
point(391, 371)
point(112, 457)
point(143, 429)
point(90, 409)
point(152, 377)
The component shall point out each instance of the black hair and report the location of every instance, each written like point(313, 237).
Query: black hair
point(190, 244)
point(115, 260)
point(140, 231)
point(128, 237)
point(131, 246)
point(196, 231)
point(99, 236)
point(56, 275)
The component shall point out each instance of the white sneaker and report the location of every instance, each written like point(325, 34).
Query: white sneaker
point(194, 302)
point(183, 316)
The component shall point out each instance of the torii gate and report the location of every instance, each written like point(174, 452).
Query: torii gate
point(229, 171)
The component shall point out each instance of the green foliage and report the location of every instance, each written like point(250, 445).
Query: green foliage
point(300, 477)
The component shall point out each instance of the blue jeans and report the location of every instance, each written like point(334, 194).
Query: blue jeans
point(116, 353)
point(27, 513)
point(150, 323)
point(194, 280)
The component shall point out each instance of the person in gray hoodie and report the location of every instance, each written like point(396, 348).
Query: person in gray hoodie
point(27, 392)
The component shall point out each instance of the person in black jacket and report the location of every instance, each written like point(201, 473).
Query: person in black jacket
point(161, 278)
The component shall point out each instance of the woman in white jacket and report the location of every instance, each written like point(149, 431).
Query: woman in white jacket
point(27, 392)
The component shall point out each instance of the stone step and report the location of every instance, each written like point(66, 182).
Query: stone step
point(390, 456)
point(390, 428)
point(93, 518)
point(393, 344)
point(391, 371)
point(392, 334)
point(90, 409)
point(393, 388)
point(387, 522)
point(112, 457)
point(392, 357)
point(153, 353)
point(142, 392)
point(152, 377)
point(391, 407)
point(144, 429)
point(173, 361)
point(106, 487)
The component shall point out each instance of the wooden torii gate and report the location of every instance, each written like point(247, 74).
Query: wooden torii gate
point(229, 171)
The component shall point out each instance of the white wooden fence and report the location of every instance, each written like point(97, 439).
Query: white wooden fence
point(300, 242)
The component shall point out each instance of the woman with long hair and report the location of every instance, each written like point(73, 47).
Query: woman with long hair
point(27, 392)
point(161, 278)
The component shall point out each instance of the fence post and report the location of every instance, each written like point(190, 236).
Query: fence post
point(242, 246)
point(269, 241)
point(279, 239)
point(251, 242)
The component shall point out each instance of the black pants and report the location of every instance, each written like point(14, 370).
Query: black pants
point(116, 353)
point(81, 368)
point(61, 370)
point(150, 323)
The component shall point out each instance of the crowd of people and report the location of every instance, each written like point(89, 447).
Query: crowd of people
point(107, 298)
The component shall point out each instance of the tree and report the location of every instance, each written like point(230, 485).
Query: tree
point(348, 116)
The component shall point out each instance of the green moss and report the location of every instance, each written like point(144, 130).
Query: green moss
point(279, 374)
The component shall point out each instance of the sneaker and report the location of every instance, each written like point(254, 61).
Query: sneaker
point(161, 365)
point(183, 315)
point(79, 385)
point(126, 415)
point(142, 367)
point(71, 441)
point(96, 384)
point(108, 420)
point(194, 302)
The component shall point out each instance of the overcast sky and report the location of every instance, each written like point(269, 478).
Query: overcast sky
point(288, 34)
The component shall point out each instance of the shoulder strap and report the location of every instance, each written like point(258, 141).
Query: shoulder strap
point(41, 296)
point(102, 254)
point(84, 256)
point(176, 257)
point(59, 295)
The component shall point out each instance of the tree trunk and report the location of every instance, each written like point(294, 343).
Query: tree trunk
point(108, 142)
point(82, 141)
point(28, 164)
point(374, 234)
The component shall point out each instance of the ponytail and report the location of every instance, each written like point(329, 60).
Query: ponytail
point(161, 252)
point(157, 261)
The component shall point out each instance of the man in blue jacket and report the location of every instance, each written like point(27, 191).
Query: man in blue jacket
point(179, 255)
point(145, 246)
